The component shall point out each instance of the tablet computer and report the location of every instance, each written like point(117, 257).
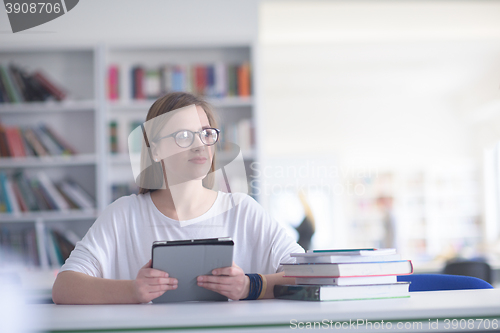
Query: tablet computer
point(185, 260)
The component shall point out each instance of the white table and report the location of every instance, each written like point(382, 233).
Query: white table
point(271, 315)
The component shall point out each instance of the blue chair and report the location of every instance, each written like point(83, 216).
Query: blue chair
point(433, 282)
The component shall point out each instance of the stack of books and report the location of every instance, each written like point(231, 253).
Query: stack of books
point(345, 274)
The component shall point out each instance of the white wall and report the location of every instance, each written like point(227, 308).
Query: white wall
point(384, 83)
point(145, 21)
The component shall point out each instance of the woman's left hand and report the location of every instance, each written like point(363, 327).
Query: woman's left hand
point(228, 281)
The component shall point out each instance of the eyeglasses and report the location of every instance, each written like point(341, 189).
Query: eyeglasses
point(185, 138)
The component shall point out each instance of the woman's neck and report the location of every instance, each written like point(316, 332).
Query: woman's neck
point(184, 201)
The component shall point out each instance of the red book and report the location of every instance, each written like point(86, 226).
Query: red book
point(139, 83)
point(244, 80)
point(55, 91)
point(14, 141)
point(113, 82)
point(201, 79)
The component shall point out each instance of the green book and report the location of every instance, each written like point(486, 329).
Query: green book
point(341, 293)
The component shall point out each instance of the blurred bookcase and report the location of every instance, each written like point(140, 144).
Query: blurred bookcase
point(96, 123)
point(427, 214)
point(28, 233)
point(223, 74)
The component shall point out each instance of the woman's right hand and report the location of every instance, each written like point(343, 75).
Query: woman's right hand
point(151, 283)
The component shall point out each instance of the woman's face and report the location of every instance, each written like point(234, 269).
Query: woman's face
point(190, 163)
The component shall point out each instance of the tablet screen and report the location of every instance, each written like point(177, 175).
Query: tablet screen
point(185, 260)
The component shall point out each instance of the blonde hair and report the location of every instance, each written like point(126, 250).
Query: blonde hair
point(153, 174)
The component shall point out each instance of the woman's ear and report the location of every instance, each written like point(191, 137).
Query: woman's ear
point(154, 151)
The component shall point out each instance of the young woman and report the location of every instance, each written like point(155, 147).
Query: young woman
point(112, 262)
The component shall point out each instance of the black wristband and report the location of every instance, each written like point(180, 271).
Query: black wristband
point(255, 287)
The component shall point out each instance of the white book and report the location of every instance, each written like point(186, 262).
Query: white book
point(49, 187)
point(152, 83)
point(166, 78)
point(51, 248)
point(340, 259)
point(220, 79)
point(347, 252)
point(188, 71)
point(47, 142)
point(77, 195)
point(68, 233)
point(401, 267)
point(349, 281)
point(14, 205)
point(243, 130)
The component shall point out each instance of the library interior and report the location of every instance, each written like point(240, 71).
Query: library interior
point(394, 107)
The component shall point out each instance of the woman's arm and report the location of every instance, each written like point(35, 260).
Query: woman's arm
point(274, 279)
point(79, 288)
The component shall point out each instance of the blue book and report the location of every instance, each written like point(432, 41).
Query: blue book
point(3, 189)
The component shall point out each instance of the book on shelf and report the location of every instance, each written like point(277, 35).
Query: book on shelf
point(15, 207)
point(3, 92)
point(122, 189)
point(53, 253)
point(40, 140)
point(76, 194)
point(135, 136)
point(33, 142)
point(19, 86)
point(21, 246)
point(18, 247)
point(4, 146)
point(340, 293)
point(152, 83)
point(244, 80)
point(11, 90)
point(15, 142)
point(113, 82)
point(27, 193)
point(241, 133)
point(37, 192)
point(113, 137)
point(59, 245)
point(4, 199)
point(64, 146)
point(57, 92)
point(52, 193)
point(213, 80)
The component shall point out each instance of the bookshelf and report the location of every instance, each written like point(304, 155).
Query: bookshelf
point(83, 119)
point(77, 119)
point(126, 111)
point(434, 212)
